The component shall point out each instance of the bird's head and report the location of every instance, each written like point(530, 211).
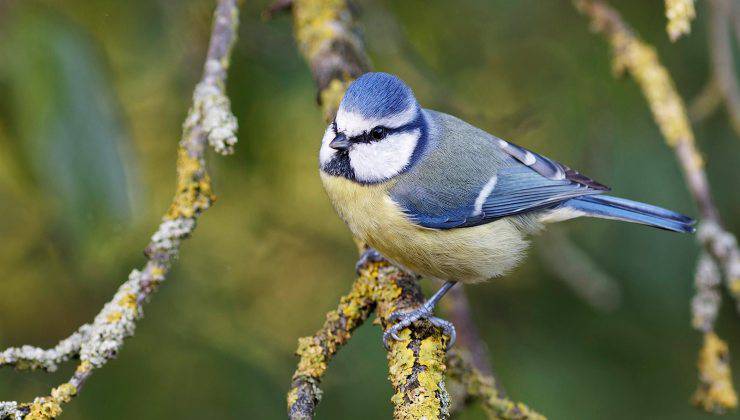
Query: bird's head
point(377, 133)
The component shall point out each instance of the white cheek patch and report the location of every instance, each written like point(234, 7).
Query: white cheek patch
point(327, 153)
point(379, 160)
point(353, 124)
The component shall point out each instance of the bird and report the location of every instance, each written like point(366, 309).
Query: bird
point(446, 200)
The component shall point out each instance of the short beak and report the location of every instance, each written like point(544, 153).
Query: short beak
point(340, 142)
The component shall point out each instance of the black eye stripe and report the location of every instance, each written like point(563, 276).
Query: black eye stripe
point(365, 137)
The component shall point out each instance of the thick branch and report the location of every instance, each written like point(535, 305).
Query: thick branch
point(641, 61)
point(209, 121)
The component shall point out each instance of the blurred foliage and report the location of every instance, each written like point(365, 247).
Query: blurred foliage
point(92, 96)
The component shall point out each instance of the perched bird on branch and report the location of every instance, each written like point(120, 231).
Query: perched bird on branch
point(447, 200)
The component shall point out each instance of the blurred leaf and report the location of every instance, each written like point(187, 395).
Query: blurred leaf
point(68, 123)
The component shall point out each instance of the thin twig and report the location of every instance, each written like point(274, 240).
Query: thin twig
point(457, 307)
point(641, 61)
point(579, 272)
point(484, 389)
point(209, 121)
point(706, 102)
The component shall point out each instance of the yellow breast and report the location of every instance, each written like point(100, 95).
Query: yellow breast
point(471, 254)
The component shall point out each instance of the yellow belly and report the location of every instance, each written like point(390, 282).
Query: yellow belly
point(469, 255)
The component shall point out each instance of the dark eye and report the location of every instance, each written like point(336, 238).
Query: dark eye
point(378, 133)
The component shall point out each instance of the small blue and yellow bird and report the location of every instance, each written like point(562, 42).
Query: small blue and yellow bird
point(447, 200)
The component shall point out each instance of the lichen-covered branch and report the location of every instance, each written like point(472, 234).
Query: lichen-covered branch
point(317, 350)
point(327, 37)
point(416, 364)
point(641, 61)
point(483, 389)
point(209, 121)
point(679, 13)
point(29, 357)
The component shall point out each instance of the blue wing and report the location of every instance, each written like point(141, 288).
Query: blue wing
point(520, 182)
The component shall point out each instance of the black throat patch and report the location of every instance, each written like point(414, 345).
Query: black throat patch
point(339, 166)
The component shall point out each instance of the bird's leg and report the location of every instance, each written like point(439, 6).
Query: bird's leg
point(426, 311)
point(368, 256)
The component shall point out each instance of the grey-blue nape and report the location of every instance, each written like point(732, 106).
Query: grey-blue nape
point(378, 95)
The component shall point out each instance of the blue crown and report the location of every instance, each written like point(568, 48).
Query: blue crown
point(378, 95)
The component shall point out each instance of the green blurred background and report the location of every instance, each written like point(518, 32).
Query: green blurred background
point(92, 97)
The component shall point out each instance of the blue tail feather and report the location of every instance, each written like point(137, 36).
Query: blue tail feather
point(607, 207)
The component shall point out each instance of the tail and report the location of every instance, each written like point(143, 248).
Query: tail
point(606, 207)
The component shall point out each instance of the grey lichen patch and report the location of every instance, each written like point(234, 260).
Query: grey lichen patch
point(11, 410)
point(29, 357)
point(166, 240)
point(706, 302)
point(212, 110)
point(106, 337)
point(723, 245)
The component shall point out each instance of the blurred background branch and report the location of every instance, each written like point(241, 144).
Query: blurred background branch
point(576, 269)
point(715, 393)
point(209, 121)
point(723, 23)
point(720, 20)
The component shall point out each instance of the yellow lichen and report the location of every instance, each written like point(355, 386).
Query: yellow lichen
point(314, 23)
point(680, 13)
point(114, 316)
point(194, 193)
point(292, 397)
point(734, 286)
point(312, 362)
point(332, 95)
point(44, 409)
point(157, 272)
point(64, 392)
point(401, 359)
point(431, 356)
point(84, 367)
point(716, 393)
point(128, 301)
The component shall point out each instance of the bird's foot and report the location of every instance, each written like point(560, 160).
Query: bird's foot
point(405, 319)
point(368, 256)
